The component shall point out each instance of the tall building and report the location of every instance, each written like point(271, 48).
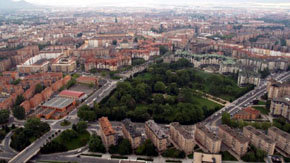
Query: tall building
point(259, 139)
point(281, 107)
point(276, 89)
point(282, 139)
point(131, 133)
point(182, 137)
point(207, 139)
point(237, 142)
point(156, 135)
point(108, 134)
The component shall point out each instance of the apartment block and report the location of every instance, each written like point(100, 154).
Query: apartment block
point(108, 134)
point(156, 135)
point(131, 133)
point(281, 107)
point(207, 139)
point(182, 137)
point(281, 138)
point(277, 90)
point(237, 142)
point(259, 139)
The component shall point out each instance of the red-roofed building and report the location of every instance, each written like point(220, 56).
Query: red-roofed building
point(88, 80)
point(247, 114)
point(73, 94)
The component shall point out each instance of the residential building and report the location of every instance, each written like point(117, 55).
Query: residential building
point(207, 139)
point(108, 134)
point(235, 141)
point(183, 138)
point(281, 138)
point(259, 139)
point(156, 134)
point(131, 133)
point(281, 107)
point(248, 113)
point(276, 89)
point(87, 80)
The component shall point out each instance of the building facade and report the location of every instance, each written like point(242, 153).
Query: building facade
point(156, 135)
point(182, 137)
point(259, 139)
point(131, 133)
point(281, 138)
point(207, 139)
point(238, 143)
point(281, 107)
point(108, 134)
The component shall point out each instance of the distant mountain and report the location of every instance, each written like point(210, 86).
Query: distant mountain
point(10, 4)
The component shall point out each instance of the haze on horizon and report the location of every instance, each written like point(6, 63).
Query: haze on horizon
point(139, 3)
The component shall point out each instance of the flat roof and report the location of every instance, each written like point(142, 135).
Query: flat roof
point(58, 102)
point(75, 94)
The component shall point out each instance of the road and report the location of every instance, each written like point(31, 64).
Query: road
point(33, 148)
point(244, 101)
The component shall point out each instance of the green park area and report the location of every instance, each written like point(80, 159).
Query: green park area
point(69, 139)
point(166, 92)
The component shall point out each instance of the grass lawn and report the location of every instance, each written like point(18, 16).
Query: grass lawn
point(263, 110)
point(75, 143)
point(228, 157)
point(200, 102)
point(261, 103)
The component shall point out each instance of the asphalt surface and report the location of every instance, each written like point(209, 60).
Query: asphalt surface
point(244, 101)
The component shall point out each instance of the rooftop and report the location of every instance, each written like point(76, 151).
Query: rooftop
point(157, 130)
point(259, 134)
point(280, 132)
point(58, 102)
point(181, 130)
point(131, 128)
point(285, 99)
point(207, 132)
point(106, 126)
point(74, 94)
point(239, 137)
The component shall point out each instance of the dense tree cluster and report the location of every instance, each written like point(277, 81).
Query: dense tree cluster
point(166, 93)
point(19, 112)
point(96, 144)
point(53, 146)
point(38, 88)
point(69, 136)
point(33, 129)
point(4, 116)
point(147, 148)
point(123, 147)
point(282, 124)
point(173, 152)
point(254, 155)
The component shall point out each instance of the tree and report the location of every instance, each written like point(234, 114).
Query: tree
point(38, 88)
point(4, 116)
point(19, 112)
point(114, 42)
point(19, 100)
point(226, 118)
point(163, 50)
point(86, 113)
point(53, 147)
point(81, 126)
point(159, 87)
point(68, 135)
point(147, 148)
point(96, 144)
